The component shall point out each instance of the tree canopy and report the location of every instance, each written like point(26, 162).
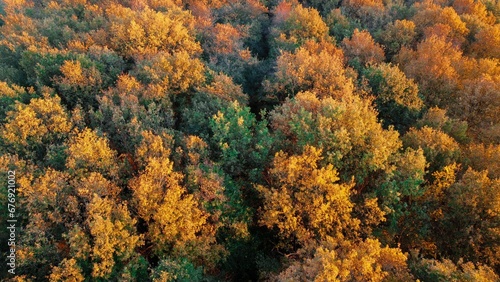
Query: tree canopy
point(260, 140)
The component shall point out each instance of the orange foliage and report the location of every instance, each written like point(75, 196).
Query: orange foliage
point(362, 47)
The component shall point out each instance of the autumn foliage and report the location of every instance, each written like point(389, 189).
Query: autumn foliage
point(260, 140)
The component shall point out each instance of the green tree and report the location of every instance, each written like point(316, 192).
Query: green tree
point(242, 143)
point(397, 96)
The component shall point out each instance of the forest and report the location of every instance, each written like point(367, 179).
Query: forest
point(250, 140)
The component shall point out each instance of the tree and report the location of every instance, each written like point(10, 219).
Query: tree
point(445, 269)
point(79, 85)
point(438, 119)
point(324, 7)
point(439, 148)
point(483, 158)
point(477, 102)
point(177, 270)
point(249, 17)
point(340, 25)
point(116, 226)
point(362, 49)
point(68, 270)
point(175, 73)
point(294, 25)
point(147, 32)
point(372, 14)
point(303, 200)
point(432, 66)
point(128, 109)
point(48, 207)
point(207, 101)
point(473, 206)
point(433, 20)
point(349, 261)
point(397, 96)
point(241, 143)
point(9, 94)
point(398, 195)
point(225, 48)
point(87, 152)
point(177, 226)
point(346, 130)
point(314, 67)
point(487, 39)
point(29, 126)
point(475, 15)
point(396, 35)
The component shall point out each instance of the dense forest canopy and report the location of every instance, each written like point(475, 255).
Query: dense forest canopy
point(258, 140)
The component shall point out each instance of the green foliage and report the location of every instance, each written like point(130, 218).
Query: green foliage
point(396, 35)
point(446, 270)
point(180, 270)
point(439, 148)
point(242, 143)
point(294, 25)
point(341, 26)
point(397, 96)
point(399, 192)
point(40, 67)
point(347, 130)
point(437, 119)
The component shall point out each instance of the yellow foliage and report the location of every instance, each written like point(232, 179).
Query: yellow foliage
point(175, 73)
point(461, 271)
point(42, 120)
point(345, 129)
point(412, 164)
point(146, 32)
point(397, 34)
point(439, 148)
point(356, 4)
point(72, 70)
point(315, 67)
point(227, 39)
point(487, 42)
point(126, 83)
point(196, 149)
point(304, 201)
point(111, 228)
point(67, 271)
point(88, 151)
point(21, 29)
point(433, 17)
point(10, 90)
point(79, 243)
point(224, 88)
point(397, 87)
point(432, 65)
point(443, 180)
point(173, 215)
point(349, 261)
point(485, 157)
point(304, 24)
point(45, 193)
point(154, 146)
point(96, 184)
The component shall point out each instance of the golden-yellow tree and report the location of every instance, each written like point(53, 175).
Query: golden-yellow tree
point(177, 226)
point(304, 200)
point(346, 130)
point(315, 67)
